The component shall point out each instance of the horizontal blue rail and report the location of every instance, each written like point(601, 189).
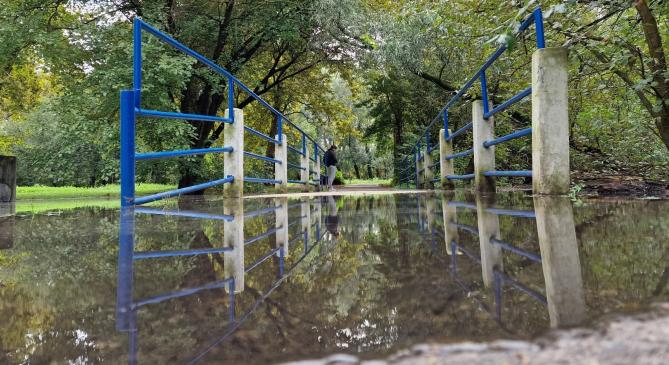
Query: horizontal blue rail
point(182, 293)
point(177, 192)
point(257, 213)
point(508, 137)
point(460, 177)
point(460, 154)
point(167, 154)
point(460, 131)
point(520, 173)
point(466, 228)
point(262, 135)
point(517, 285)
point(184, 213)
point(505, 105)
point(175, 253)
point(262, 259)
point(259, 180)
point(297, 181)
point(465, 251)
point(294, 166)
point(509, 247)
point(261, 236)
point(293, 149)
point(433, 148)
point(261, 157)
point(512, 212)
point(471, 206)
point(171, 115)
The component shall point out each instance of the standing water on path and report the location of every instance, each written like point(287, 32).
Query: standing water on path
point(272, 280)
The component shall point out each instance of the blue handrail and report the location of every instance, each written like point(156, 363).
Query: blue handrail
point(131, 108)
point(535, 18)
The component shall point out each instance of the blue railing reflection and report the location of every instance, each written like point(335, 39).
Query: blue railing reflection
point(233, 255)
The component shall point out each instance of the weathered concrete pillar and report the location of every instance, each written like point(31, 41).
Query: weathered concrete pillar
point(560, 260)
point(419, 173)
point(430, 207)
point(484, 158)
point(233, 162)
point(317, 167)
point(7, 225)
point(233, 236)
point(7, 179)
point(281, 169)
point(450, 214)
point(550, 122)
point(281, 224)
point(446, 166)
point(488, 225)
point(428, 175)
point(304, 173)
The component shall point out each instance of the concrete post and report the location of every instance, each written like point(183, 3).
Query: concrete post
point(7, 179)
point(281, 224)
point(281, 169)
point(233, 162)
point(419, 173)
point(446, 166)
point(317, 167)
point(234, 237)
point(450, 214)
point(428, 176)
point(550, 122)
point(304, 174)
point(488, 225)
point(560, 261)
point(7, 225)
point(484, 158)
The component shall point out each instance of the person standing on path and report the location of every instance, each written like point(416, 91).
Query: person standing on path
point(331, 165)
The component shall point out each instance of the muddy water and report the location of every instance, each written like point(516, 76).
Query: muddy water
point(194, 282)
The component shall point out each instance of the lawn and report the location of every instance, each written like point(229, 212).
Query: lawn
point(70, 192)
point(381, 182)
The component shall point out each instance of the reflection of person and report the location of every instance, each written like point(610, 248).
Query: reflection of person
point(332, 220)
point(331, 164)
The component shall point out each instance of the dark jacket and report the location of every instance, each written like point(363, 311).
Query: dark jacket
point(330, 158)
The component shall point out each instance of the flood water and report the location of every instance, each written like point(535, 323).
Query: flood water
point(271, 280)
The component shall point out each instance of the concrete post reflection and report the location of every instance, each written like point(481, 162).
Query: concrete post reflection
point(234, 238)
point(449, 214)
point(560, 261)
point(488, 226)
point(281, 224)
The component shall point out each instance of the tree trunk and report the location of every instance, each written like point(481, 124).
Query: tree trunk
point(658, 65)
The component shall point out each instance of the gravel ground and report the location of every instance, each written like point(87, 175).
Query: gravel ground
point(624, 340)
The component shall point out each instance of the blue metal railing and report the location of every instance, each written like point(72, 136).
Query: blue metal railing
point(131, 109)
point(537, 19)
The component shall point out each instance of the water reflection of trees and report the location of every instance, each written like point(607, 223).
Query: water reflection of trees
point(379, 286)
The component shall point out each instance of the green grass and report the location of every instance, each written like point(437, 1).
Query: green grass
point(382, 182)
point(70, 192)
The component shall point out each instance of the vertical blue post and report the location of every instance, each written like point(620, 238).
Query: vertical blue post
point(137, 61)
point(539, 25)
point(445, 116)
point(498, 296)
point(304, 144)
point(484, 94)
point(279, 127)
point(128, 147)
point(231, 99)
point(281, 261)
point(427, 141)
point(231, 289)
point(126, 245)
